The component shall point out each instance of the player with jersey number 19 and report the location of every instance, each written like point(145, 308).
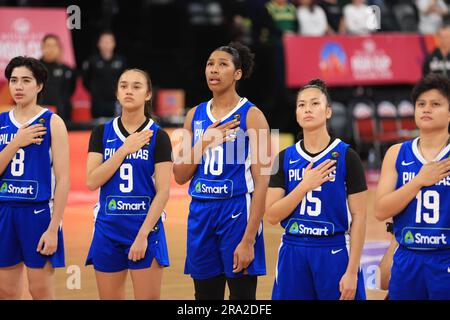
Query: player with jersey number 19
point(130, 159)
point(414, 190)
point(318, 194)
point(34, 185)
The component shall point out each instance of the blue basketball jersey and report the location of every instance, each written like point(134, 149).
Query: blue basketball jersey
point(126, 198)
point(29, 176)
point(425, 222)
point(224, 172)
point(322, 218)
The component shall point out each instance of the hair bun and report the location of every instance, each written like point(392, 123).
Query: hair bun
point(317, 82)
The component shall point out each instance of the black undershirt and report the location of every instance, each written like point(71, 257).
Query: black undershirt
point(163, 147)
point(355, 179)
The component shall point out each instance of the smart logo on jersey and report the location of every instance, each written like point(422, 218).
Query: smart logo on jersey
point(303, 227)
point(426, 238)
point(409, 238)
point(18, 189)
point(213, 189)
point(41, 120)
point(112, 205)
point(132, 205)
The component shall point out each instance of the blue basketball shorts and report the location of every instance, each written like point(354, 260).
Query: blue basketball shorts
point(420, 275)
point(21, 228)
point(109, 255)
point(312, 273)
point(215, 228)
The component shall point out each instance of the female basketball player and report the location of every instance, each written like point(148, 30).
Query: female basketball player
point(34, 185)
point(414, 189)
point(318, 194)
point(228, 187)
point(130, 160)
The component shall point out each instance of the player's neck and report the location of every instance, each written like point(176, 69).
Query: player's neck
point(132, 120)
point(24, 112)
point(317, 140)
point(432, 143)
point(223, 103)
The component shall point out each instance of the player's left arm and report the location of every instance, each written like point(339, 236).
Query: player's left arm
point(163, 172)
point(357, 205)
point(259, 135)
point(357, 202)
point(60, 157)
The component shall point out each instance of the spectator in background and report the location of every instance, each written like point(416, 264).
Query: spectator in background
point(278, 19)
point(356, 15)
point(312, 19)
point(61, 78)
point(100, 74)
point(431, 13)
point(439, 60)
point(334, 15)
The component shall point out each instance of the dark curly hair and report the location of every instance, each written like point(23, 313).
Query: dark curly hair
point(243, 58)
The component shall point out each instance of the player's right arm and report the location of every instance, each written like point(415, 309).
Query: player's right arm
point(187, 157)
point(25, 136)
point(389, 202)
point(279, 206)
point(386, 264)
point(99, 172)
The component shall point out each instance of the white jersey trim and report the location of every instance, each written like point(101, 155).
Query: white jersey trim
point(416, 151)
point(18, 125)
point(119, 133)
point(304, 155)
point(210, 115)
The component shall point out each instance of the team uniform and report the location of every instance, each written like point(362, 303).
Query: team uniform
point(126, 198)
point(421, 267)
point(221, 191)
point(26, 197)
point(313, 255)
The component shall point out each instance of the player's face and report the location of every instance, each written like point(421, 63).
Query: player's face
point(221, 72)
point(51, 50)
point(23, 86)
point(133, 91)
point(312, 109)
point(432, 111)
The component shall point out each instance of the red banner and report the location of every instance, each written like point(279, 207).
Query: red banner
point(354, 60)
point(22, 30)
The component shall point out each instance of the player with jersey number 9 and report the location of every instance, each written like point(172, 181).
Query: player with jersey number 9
point(130, 159)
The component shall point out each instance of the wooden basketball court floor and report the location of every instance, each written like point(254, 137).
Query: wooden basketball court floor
point(78, 227)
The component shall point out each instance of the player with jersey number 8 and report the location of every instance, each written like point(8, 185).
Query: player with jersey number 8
point(34, 185)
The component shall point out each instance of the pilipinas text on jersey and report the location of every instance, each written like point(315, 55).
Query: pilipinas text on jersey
point(322, 217)
point(29, 176)
point(425, 222)
point(224, 171)
point(126, 197)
